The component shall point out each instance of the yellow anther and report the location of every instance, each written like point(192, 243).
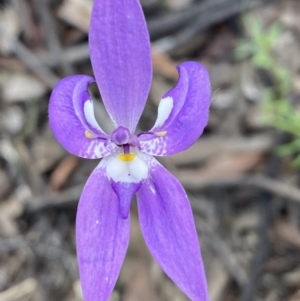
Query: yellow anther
point(161, 134)
point(127, 157)
point(88, 134)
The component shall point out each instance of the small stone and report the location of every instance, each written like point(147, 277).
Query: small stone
point(12, 119)
point(21, 87)
point(11, 29)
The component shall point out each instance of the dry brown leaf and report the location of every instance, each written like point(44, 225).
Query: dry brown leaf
point(207, 148)
point(232, 164)
point(288, 234)
point(76, 13)
point(163, 65)
point(136, 273)
point(218, 280)
point(20, 290)
point(63, 171)
point(45, 150)
point(223, 166)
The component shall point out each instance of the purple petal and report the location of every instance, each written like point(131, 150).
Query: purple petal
point(121, 58)
point(168, 227)
point(72, 119)
point(125, 192)
point(102, 237)
point(126, 173)
point(182, 113)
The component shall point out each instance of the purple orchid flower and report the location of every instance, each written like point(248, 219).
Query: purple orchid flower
point(121, 59)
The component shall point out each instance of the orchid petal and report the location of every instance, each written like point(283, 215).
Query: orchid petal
point(121, 58)
point(168, 227)
point(72, 119)
point(182, 113)
point(125, 192)
point(126, 178)
point(102, 237)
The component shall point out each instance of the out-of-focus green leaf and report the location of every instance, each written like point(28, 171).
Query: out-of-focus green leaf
point(273, 33)
point(262, 60)
point(245, 49)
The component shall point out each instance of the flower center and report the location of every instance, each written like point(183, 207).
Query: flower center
point(127, 164)
point(123, 138)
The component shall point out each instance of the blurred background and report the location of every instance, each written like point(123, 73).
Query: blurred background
point(242, 176)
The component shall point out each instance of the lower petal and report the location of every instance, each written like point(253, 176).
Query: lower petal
point(168, 227)
point(125, 192)
point(102, 237)
point(126, 173)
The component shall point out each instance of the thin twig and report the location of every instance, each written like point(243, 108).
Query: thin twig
point(52, 37)
point(263, 246)
point(209, 14)
point(69, 197)
point(223, 252)
point(276, 187)
point(29, 59)
point(20, 290)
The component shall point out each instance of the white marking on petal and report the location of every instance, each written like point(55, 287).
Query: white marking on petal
point(97, 151)
point(90, 147)
point(154, 147)
point(89, 115)
point(127, 172)
point(164, 110)
point(152, 189)
point(138, 168)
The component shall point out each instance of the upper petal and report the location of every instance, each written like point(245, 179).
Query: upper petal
point(121, 58)
point(182, 113)
point(168, 228)
point(102, 237)
point(72, 119)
